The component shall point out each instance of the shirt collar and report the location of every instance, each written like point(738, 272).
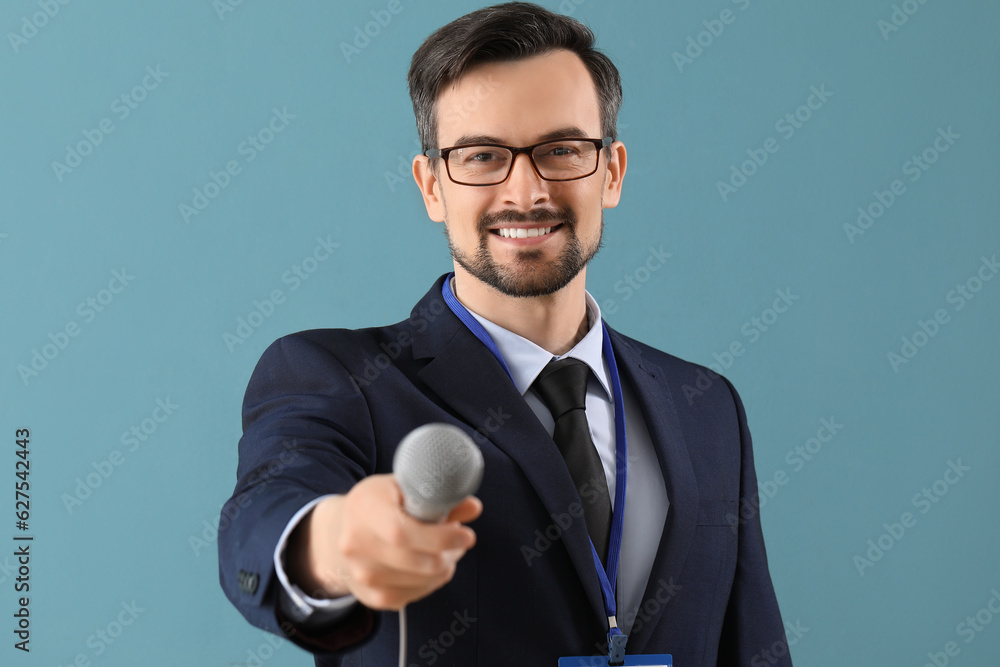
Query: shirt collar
point(525, 360)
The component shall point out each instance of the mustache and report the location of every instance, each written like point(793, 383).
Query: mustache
point(563, 215)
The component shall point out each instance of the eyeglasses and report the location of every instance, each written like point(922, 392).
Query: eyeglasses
point(491, 164)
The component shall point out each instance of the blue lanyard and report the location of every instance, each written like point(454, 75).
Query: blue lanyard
point(608, 577)
point(471, 322)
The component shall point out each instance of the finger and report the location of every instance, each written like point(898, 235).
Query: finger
point(467, 510)
point(378, 576)
point(400, 542)
point(385, 588)
point(427, 538)
point(392, 599)
point(379, 524)
point(410, 564)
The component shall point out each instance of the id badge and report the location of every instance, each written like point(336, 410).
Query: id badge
point(662, 660)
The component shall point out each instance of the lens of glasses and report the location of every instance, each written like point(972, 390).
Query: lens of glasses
point(556, 161)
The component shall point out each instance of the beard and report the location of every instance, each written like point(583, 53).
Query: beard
point(529, 274)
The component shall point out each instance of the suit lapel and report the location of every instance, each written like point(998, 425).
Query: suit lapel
point(466, 376)
point(662, 421)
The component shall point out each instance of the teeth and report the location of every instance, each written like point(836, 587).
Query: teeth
point(522, 233)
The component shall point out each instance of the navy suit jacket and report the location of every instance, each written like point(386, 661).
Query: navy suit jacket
point(325, 408)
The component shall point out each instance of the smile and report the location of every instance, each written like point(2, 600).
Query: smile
point(522, 232)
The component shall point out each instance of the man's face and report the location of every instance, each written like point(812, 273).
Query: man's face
point(518, 104)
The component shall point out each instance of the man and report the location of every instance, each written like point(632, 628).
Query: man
point(517, 113)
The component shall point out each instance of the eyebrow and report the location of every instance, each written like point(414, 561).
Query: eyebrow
point(561, 133)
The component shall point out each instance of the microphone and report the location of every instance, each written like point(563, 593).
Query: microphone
point(436, 466)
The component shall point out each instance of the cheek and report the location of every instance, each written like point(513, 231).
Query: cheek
point(585, 201)
point(465, 208)
point(589, 211)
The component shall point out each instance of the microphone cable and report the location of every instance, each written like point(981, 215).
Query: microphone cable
point(402, 637)
point(436, 465)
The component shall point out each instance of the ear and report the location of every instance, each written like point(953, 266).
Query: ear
point(615, 174)
point(430, 187)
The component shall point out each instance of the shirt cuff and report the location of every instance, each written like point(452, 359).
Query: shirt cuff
point(298, 607)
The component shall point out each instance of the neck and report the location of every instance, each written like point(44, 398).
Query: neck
point(554, 322)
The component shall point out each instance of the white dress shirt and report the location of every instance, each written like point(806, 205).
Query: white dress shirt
point(646, 497)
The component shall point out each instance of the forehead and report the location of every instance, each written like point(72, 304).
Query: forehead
point(519, 101)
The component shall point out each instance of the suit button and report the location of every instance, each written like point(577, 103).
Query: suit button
point(248, 581)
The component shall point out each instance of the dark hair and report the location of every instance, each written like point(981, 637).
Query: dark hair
point(511, 31)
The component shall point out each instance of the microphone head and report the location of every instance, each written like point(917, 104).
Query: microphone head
point(436, 466)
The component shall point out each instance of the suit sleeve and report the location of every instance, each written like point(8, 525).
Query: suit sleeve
point(306, 433)
point(752, 631)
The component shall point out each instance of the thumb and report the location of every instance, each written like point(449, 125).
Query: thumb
point(466, 511)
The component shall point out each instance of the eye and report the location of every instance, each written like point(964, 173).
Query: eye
point(480, 156)
point(562, 150)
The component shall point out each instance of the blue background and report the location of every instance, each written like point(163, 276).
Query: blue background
point(330, 173)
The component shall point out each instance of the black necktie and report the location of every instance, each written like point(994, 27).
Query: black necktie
point(562, 386)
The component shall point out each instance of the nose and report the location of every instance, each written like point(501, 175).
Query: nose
point(524, 188)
